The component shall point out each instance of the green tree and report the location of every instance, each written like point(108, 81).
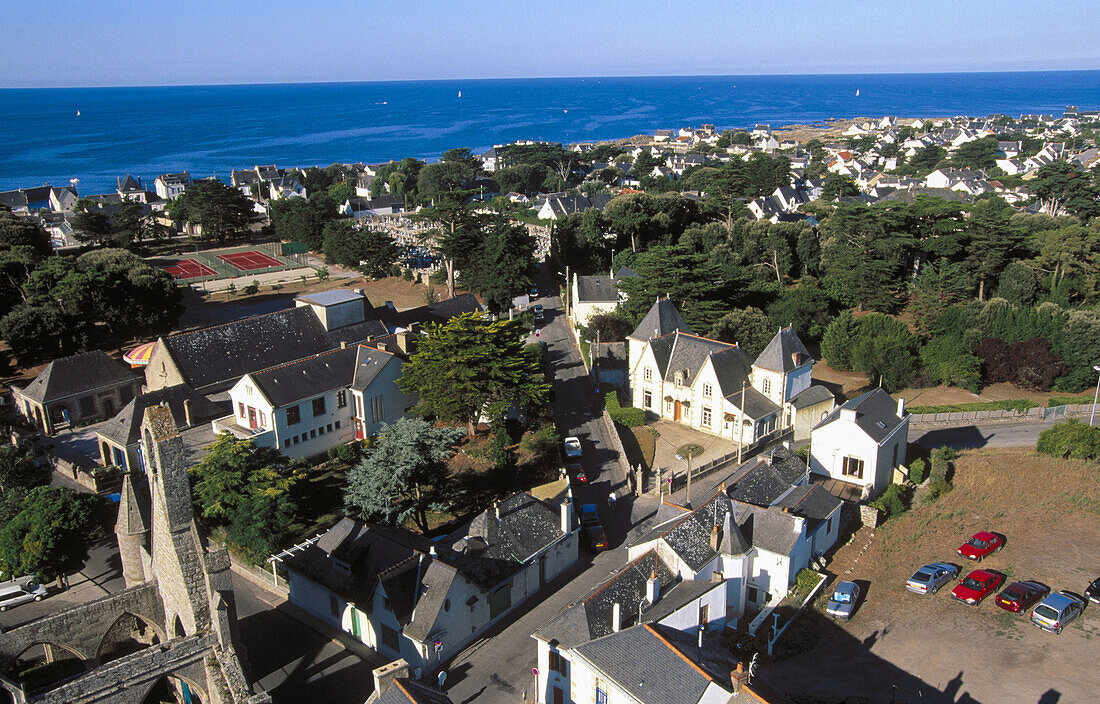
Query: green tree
point(993, 242)
point(132, 223)
point(503, 265)
point(839, 338)
point(90, 224)
point(443, 177)
point(837, 186)
point(456, 231)
point(947, 361)
point(302, 220)
point(927, 158)
point(18, 469)
point(862, 264)
point(17, 232)
point(470, 366)
point(936, 288)
point(371, 251)
point(977, 154)
point(883, 351)
point(47, 532)
point(693, 282)
point(1018, 284)
point(222, 211)
point(1061, 188)
point(612, 326)
point(37, 331)
point(806, 307)
point(748, 327)
point(404, 476)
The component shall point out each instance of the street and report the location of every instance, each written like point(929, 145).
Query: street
point(1004, 434)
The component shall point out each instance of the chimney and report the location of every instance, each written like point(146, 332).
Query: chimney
point(385, 675)
point(389, 304)
point(715, 538)
point(901, 408)
point(616, 617)
point(738, 678)
point(402, 341)
point(431, 550)
point(848, 414)
point(566, 517)
point(496, 509)
point(343, 344)
point(360, 291)
point(383, 347)
point(187, 412)
point(652, 588)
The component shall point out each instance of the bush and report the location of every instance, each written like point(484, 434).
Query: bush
point(946, 361)
point(836, 345)
point(407, 275)
point(630, 417)
point(349, 453)
point(893, 502)
point(918, 471)
point(936, 489)
point(498, 448)
point(1072, 439)
point(806, 580)
point(1031, 364)
point(252, 288)
point(803, 453)
point(941, 463)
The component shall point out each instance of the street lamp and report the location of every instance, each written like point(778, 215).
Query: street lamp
point(1095, 368)
point(688, 463)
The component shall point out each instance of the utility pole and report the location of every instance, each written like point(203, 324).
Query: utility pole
point(741, 425)
point(689, 480)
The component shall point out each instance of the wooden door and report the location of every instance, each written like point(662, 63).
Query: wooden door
point(677, 411)
point(251, 417)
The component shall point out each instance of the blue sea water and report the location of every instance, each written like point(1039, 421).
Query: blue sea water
point(206, 130)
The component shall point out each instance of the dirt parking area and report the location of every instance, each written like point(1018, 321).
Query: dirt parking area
point(902, 647)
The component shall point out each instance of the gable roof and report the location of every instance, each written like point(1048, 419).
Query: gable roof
point(684, 352)
point(600, 289)
point(438, 312)
point(662, 319)
point(525, 527)
point(770, 529)
point(876, 414)
point(656, 664)
point(732, 367)
point(76, 374)
point(811, 502)
point(689, 536)
point(125, 428)
point(765, 481)
point(784, 353)
point(811, 396)
point(310, 376)
point(404, 690)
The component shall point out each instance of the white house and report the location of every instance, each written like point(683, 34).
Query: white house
point(714, 386)
point(305, 407)
point(862, 442)
point(170, 186)
point(597, 294)
point(423, 601)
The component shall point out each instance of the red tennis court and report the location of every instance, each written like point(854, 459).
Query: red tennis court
point(188, 269)
point(246, 261)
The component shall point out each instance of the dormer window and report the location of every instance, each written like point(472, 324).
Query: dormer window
point(679, 379)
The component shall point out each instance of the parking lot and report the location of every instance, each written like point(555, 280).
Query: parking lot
point(933, 648)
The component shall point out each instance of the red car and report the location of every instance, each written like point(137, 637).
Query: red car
point(1020, 596)
point(577, 470)
point(976, 586)
point(980, 545)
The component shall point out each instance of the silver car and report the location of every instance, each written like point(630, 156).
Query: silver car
point(19, 591)
point(843, 601)
point(1058, 610)
point(930, 578)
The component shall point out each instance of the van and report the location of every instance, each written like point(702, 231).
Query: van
point(19, 591)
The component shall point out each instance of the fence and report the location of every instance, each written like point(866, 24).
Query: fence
point(1038, 413)
point(612, 433)
point(749, 451)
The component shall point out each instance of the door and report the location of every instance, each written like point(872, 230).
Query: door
point(677, 411)
point(559, 695)
point(355, 623)
point(251, 417)
point(358, 429)
point(108, 408)
point(542, 571)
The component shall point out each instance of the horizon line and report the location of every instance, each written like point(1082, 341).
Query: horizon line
point(538, 78)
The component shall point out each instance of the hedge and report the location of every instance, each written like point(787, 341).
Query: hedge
point(630, 417)
point(1018, 406)
point(1072, 439)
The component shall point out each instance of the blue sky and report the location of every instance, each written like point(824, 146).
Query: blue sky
point(151, 42)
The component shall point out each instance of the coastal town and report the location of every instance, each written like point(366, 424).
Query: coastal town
point(704, 415)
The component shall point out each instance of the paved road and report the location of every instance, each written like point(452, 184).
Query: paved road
point(976, 436)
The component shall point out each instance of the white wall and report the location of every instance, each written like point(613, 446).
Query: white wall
point(394, 400)
point(686, 618)
point(842, 438)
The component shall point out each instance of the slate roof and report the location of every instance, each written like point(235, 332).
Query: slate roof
point(876, 414)
point(225, 353)
point(599, 289)
point(732, 367)
point(125, 428)
point(368, 363)
point(310, 376)
point(811, 396)
point(662, 319)
point(526, 526)
point(770, 529)
point(658, 665)
point(762, 483)
point(784, 353)
point(625, 272)
point(590, 617)
point(811, 502)
point(757, 405)
point(77, 374)
point(689, 536)
point(438, 312)
point(684, 352)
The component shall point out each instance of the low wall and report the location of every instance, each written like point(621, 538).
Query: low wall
point(86, 477)
point(1031, 414)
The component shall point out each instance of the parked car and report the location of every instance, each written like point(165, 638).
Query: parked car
point(1093, 591)
point(1021, 596)
point(534, 291)
point(976, 586)
point(931, 578)
point(576, 470)
point(1058, 610)
point(19, 591)
point(843, 601)
point(982, 544)
point(593, 530)
point(573, 447)
point(540, 315)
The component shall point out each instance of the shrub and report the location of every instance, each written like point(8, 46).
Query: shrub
point(893, 502)
point(407, 275)
point(1031, 364)
point(918, 471)
point(630, 417)
point(498, 448)
point(803, 453)
point(836, 344)
point(946, 361)
point(252, 288)
point(1018, 406)
point(936, 489)
point(941, 463)
point(806, 580)
point(1072, 439)
point(349, 453)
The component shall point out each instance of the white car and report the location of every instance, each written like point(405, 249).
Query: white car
point(20, 591)
point(573, 447)
point(1056, 611)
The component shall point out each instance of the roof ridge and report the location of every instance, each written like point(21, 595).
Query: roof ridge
point(304, 359)
point(621, 573)
point(694, 511)
point(232, 322)
point(673, 648)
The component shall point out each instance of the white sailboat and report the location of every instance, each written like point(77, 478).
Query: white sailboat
point(460, 94)
point(857, 92)
point(78, 113)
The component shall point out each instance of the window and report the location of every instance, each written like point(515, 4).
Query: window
point(333, 605)
point(557, 663)
point(240, 409)
point(295, 439)
point(337, 424)
point(125, 394)
point(647, 399)
point(648, 374)
point(263, 418)
point(321, 430)
point(358, 406)
point(318, 406)
point(286, 442)
point(329, 426)
point(894, 462)
point(706, 416)
point(500, 601)
point(341, 399)
point(248, 389)
point(766, 385)
point(853, 467)
point(312, 434)
point(753, 595)
point(601, 692)
point(390, 638)
point(707, 390)
point(679, 379)
point(87, 406)
point(446, 606)
point(559, 695)
point(377, 409)
point(704, 614)
point(293, 415)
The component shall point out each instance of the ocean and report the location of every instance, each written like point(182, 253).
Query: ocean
point(98, 134)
